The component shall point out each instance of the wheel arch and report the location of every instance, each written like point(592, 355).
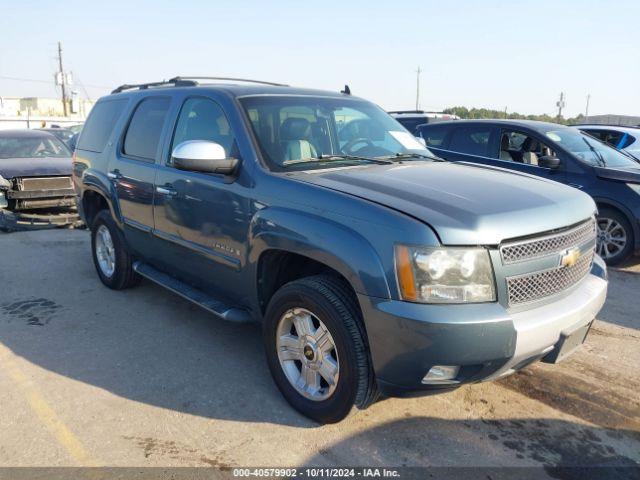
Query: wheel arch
point(299, 245)
point(612, 204)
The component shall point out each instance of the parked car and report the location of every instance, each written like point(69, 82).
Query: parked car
point(62, 134)
point(622, 138)
point(77, 128)
point(559, 153)
point(373, 266)
point(411, 119)
point(35, 181)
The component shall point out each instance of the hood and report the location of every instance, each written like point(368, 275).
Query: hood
point(629, 174)
point(464, 204)
point(34, 167)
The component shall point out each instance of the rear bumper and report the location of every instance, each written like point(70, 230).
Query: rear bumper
point(485, 340)
point(10, 220)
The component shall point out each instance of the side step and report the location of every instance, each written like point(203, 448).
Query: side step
point(222, 310)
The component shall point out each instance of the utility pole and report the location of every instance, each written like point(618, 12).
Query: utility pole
point(586, 110)
point(505, 112)
point(418, 88)
point(560, 104)
point(63, 80)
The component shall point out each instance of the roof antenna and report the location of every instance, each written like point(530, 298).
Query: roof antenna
point(346, 91)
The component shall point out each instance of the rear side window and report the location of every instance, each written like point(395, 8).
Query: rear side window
point(434, 136)
point(99, 125)
point(411, 124)
point(145, 128)
point(471, 140)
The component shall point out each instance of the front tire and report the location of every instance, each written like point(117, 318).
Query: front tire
point(111, 257)
point(615, 236)
point(316, 348)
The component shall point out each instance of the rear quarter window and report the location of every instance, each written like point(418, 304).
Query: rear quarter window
point(471, 140)
point(99, 126)
point(434, 136)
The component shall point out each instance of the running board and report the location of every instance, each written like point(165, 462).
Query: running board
point(218, 308)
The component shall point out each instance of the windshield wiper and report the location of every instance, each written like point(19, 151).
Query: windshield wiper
point(403, 156)
point(330, 158)
point(596, 153)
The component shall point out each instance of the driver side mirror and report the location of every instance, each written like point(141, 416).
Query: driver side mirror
point(203, 156)
point(549, 161)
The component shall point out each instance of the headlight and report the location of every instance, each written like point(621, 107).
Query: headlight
point(635, 187)
point(444, 275)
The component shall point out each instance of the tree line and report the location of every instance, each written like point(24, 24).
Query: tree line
point(476, 113)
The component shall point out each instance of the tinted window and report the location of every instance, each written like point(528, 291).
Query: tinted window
point(434, 136)
point(203, 119)
point(143, 134)
point(471, 140)
point(99, 125)
point(411, 124)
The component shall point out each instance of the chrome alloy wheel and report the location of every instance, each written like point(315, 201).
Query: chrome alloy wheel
point(105, 252)
point(612, 237)
point(307, 354)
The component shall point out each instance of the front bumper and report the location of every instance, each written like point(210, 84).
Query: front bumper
point(485, 340)
point(11, 221)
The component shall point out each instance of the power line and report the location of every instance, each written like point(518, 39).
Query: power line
point(19, 79)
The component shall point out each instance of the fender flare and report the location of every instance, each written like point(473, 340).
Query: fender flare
point(321, 239)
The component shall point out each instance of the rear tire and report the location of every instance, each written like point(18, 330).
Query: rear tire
point(615, 236)
point(111, 256)
point(330, 304)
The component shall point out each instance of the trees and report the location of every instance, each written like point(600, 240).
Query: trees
point(477, 113)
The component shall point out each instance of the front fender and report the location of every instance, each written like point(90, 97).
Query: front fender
point(321, 239)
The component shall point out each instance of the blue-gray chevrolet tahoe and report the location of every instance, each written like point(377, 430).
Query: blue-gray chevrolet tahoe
point(373, 266)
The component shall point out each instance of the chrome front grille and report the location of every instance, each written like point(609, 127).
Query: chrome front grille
point(535, 286)
point(549, 244)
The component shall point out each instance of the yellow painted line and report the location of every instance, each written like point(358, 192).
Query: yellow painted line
point(44, 412)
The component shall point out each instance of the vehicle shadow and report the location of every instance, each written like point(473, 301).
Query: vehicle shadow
point(490, 445)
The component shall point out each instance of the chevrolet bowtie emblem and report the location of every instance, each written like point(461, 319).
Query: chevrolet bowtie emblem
point(570, 257)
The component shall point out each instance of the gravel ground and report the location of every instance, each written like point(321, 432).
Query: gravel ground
point(93, 377)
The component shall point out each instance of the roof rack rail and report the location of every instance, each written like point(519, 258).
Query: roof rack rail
point(407, 111)
point(176, 82)
point(183, 78)
point(189, 82)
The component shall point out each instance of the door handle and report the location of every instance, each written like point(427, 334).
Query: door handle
point(575, 185)
point(169, 192)
point(114, 174)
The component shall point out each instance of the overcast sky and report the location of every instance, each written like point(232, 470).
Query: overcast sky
point(489, 53)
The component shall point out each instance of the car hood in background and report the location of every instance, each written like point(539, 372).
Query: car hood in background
point(34, 167)
point(631, 174)
point(465, 205)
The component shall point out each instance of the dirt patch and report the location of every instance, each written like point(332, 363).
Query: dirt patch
point(176, 451)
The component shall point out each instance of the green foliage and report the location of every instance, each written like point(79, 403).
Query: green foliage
point(476, 113)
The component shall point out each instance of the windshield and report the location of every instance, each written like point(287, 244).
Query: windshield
point(303, 132)
point(32, 147)
point(590, 150)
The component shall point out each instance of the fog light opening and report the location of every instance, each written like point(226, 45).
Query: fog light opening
point(441, 374)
